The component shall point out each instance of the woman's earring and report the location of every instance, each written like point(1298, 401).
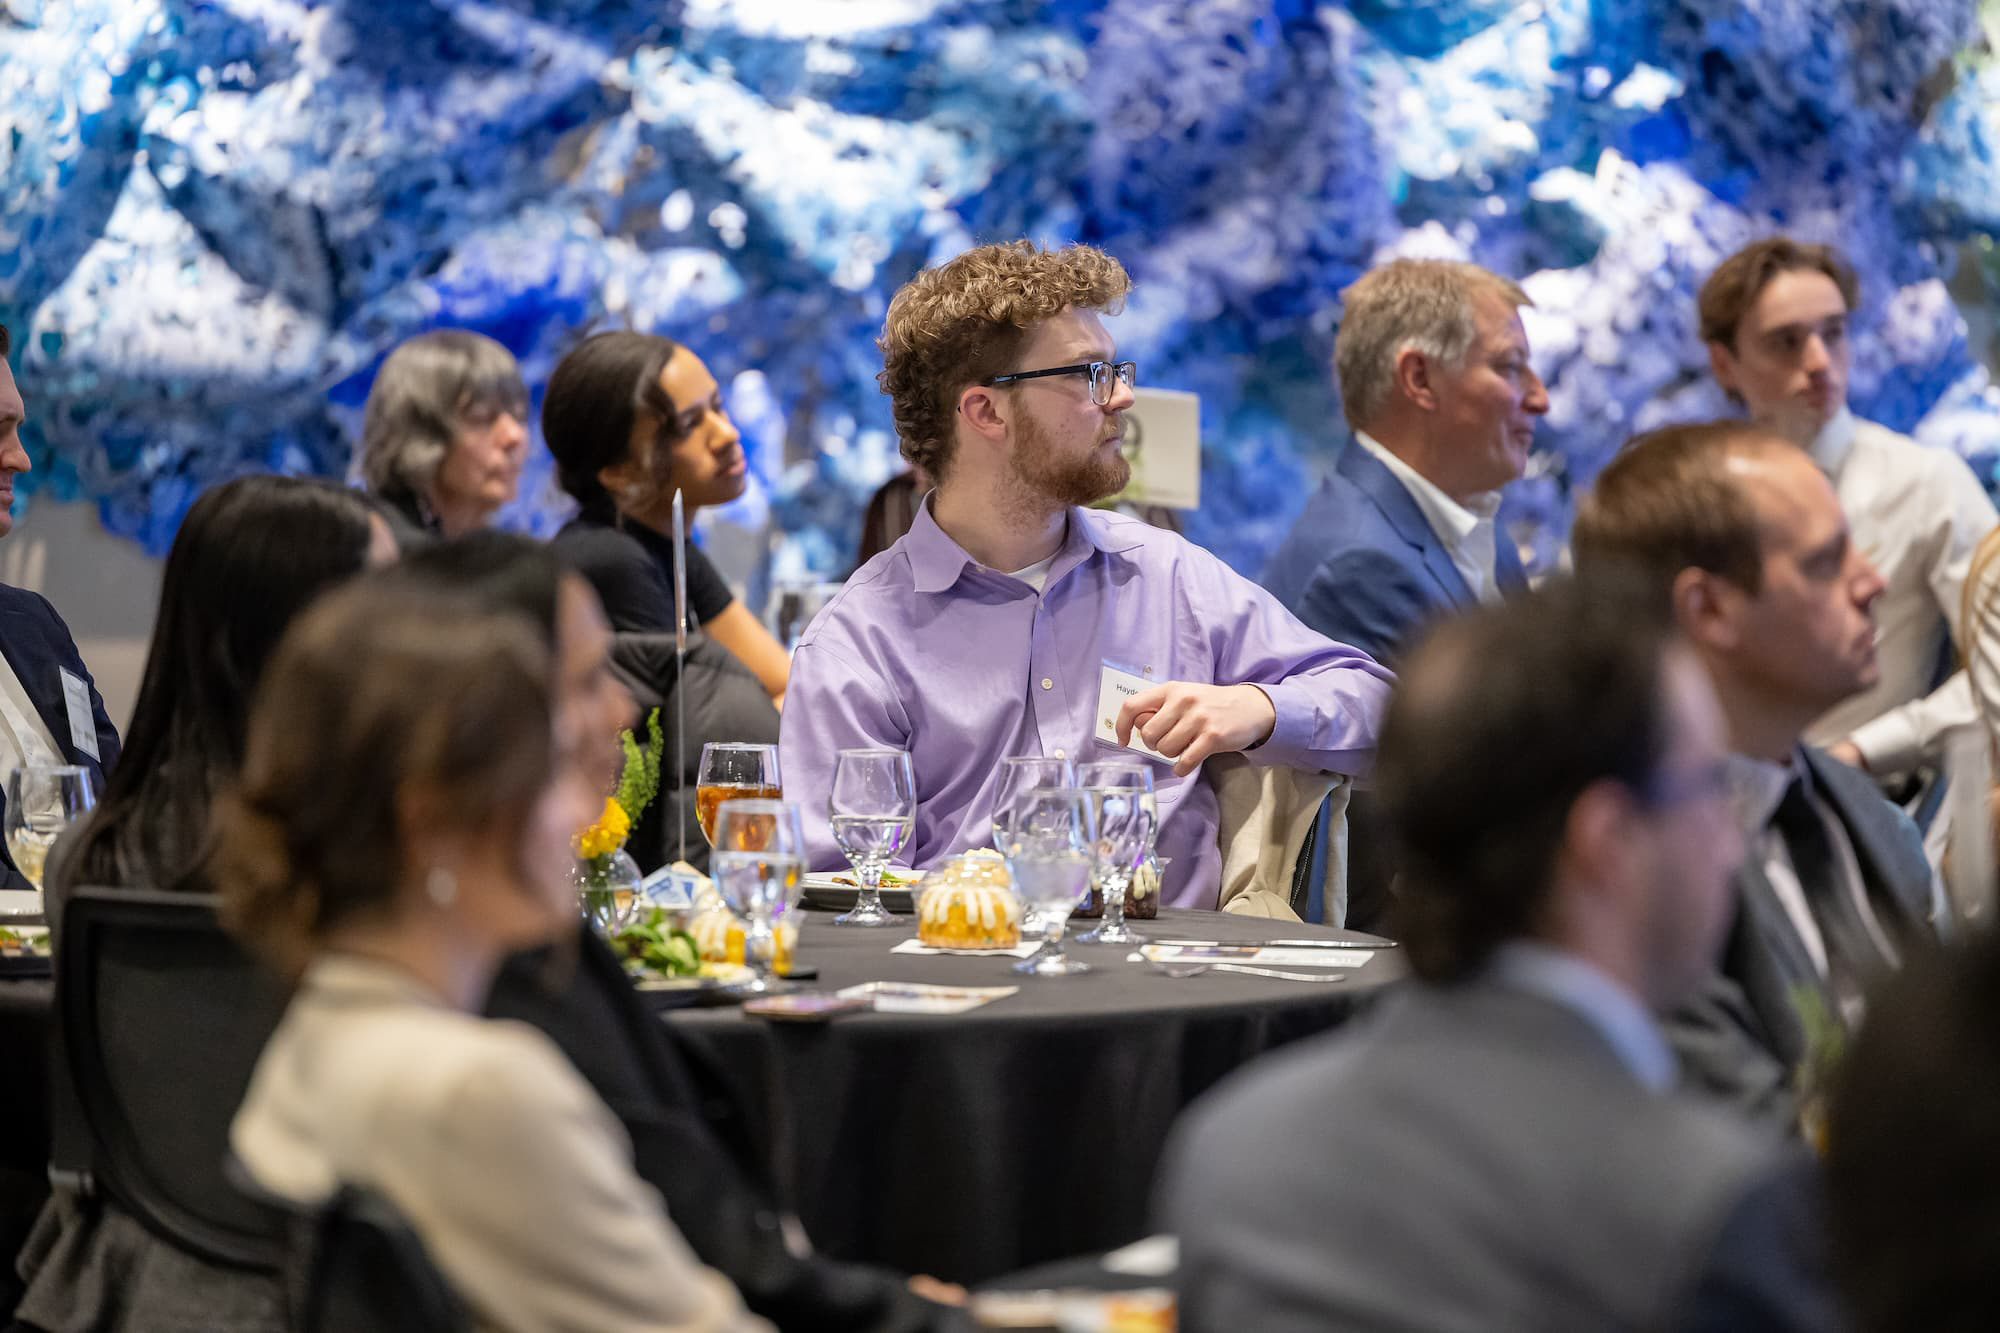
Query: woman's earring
point(441, 885)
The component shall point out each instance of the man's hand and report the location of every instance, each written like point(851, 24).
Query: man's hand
point(1847, 752)
point(1188, 723)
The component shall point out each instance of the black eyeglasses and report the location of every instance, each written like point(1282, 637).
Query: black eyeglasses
point(1100, 373)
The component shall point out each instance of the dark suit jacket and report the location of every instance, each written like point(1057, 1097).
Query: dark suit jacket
point(1463, 1159)
point(1362, 566)
point(688, 1143)
point(1742, 1037)
point(38, 647)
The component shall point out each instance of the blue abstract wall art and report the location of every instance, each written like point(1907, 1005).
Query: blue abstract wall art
point(217, 216)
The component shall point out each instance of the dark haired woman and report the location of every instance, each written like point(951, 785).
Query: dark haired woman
point(444, 433)
point(630, 418)
point(249, 556)
point(401, 825)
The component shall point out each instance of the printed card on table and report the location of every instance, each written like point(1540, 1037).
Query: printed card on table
point(909, 997)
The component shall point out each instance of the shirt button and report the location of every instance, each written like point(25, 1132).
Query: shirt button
point(1059, 754)
point(1048, 684)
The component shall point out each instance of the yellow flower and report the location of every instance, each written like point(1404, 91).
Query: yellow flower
point(607, 835)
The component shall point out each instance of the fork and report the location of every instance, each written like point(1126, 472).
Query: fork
point(1180, 970)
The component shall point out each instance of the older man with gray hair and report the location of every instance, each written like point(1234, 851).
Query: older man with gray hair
point(1434, 377)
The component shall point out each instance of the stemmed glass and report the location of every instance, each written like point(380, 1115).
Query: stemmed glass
point(759, 866)
point(1021, 776)
point(1121, 797)
point(42, 801)
point(872, 807)
point(733, 771)
point(1048, 844)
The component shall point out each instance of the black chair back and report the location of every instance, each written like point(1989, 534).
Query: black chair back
point(160, 1018)
point(358, 1268)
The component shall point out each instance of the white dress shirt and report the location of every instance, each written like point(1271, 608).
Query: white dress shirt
point(1755, 788)
point(1466, 530)
point(1917, 513)
point(24, 738)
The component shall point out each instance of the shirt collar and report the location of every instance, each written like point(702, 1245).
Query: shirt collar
point(1829, 449)
point(937, 562)
point(1755, 787)
point(1565, 979)
point(1453, 522)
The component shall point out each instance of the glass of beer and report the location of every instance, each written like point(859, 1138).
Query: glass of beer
point(733, 770)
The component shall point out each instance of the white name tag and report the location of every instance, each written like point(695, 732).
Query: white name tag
point(82, 722)
point(1114, 687)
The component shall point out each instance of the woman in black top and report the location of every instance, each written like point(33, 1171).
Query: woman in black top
point(631, 418)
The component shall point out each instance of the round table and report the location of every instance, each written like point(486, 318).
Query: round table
point(971, 1145)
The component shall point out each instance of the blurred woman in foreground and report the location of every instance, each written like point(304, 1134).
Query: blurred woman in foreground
point(403, 823)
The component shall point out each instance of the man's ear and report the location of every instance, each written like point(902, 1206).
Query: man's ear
point(1708, 610)
point(1722, 363)
point(1413, 379)
point(981, 408)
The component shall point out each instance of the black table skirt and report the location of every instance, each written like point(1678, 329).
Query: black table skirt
point(1028, 1130)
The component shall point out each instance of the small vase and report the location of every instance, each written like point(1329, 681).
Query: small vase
point(608, 889)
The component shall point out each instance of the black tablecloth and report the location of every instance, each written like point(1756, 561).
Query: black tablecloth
point(1028, 1130)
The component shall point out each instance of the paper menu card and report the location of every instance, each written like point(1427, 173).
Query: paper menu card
point(916, 946)
point(909, 997)
point(1263, 955)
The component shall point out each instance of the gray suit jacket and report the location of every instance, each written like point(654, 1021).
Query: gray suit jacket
point(1472, 1158)
point(1741, 1037)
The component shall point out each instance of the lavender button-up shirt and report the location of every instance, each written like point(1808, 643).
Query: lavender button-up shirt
point(927, 650)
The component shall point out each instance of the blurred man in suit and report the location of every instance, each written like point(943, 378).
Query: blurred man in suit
point(1506, 1149)
point(1434, 378)
point(1744, 538)
point(50, 711)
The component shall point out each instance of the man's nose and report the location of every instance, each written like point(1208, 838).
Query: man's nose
point(1815, 358)
point(1536, 399)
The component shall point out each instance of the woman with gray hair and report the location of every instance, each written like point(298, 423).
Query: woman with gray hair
point(444, 433)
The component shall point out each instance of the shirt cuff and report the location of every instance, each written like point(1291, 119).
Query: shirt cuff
point(1292, 730)
point(1889, 744)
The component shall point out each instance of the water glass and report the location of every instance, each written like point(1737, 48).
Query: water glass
point(1021, 776)
point(759, 867)
point(42, 801)
point(733, 771)
point(1126, 817)
point(1048, 847)
point(872, 807)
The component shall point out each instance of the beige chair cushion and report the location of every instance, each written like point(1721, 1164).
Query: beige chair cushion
point(1264, 815)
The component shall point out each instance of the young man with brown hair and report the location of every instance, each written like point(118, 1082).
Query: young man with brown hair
point(999, 624)
point(1775, 316)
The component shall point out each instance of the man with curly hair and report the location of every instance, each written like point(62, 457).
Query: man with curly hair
point(995, 626)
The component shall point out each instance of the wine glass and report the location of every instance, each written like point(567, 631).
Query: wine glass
point(1122, 801)
point(730, 771)
point(1022, 775)
point(759, 867)
point(872, 807)
point(1048, 844)
point(42, 801)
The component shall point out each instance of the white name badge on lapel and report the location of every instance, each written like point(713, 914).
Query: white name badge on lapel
point(1114, 686)
point(82, 722)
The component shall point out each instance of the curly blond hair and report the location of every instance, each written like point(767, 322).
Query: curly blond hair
point(963, 322)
